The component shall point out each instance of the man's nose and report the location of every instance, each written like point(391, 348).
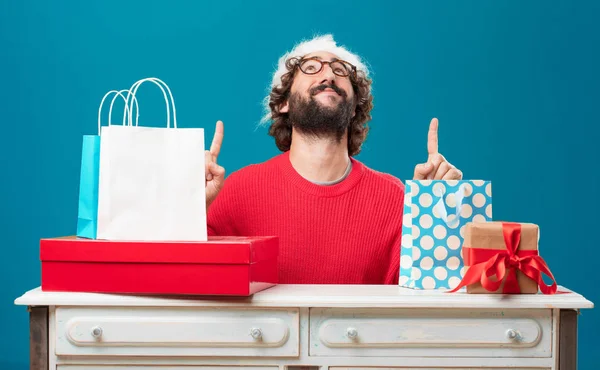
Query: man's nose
point(327, 74)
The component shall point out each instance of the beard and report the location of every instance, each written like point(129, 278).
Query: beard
point(312, 119)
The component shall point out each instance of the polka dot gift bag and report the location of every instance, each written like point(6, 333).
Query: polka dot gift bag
point(433, 226)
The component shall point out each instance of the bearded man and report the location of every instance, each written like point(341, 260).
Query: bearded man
point(338, 221)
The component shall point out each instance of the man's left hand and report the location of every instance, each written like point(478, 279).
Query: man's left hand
point(436, 167)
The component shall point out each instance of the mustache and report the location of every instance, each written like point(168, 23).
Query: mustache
point(317, 89)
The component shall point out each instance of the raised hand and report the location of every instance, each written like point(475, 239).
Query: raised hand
point(436, 167)
point(215, 174)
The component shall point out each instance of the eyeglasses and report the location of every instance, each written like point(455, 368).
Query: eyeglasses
point(312, 66)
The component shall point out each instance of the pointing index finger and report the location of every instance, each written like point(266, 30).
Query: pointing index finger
point(215, 147)
point(432, 137)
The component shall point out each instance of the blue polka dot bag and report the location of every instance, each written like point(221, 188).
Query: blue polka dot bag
point(433, 227)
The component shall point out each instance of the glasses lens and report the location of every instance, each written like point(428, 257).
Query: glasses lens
point(310, 66)
point(340, 68)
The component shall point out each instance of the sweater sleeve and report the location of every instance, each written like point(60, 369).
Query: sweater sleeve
point(393, 270)
point(218, 216)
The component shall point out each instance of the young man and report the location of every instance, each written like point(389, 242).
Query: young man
point(338, 221)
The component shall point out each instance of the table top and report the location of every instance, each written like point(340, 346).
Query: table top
point(384, 296)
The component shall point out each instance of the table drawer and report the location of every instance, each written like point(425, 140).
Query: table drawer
point(432, 333)
point(153, 367)
point(491, 367)
point(139, 331)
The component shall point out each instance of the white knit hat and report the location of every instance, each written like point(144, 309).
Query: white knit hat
point(318, 43)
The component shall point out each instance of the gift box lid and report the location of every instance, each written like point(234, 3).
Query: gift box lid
point(217, 250)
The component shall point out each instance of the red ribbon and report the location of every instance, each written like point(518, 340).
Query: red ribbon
point(485, 263)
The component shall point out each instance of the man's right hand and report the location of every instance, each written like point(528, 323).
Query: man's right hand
point(215, 174)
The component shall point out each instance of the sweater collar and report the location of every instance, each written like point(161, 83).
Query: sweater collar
point(320, 190)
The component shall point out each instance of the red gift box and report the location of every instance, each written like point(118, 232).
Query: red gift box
point(239, 266)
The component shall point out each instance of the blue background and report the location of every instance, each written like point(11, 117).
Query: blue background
point(513, 83)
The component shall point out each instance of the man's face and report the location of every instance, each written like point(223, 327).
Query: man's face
point(320, 104)
point(307, 86)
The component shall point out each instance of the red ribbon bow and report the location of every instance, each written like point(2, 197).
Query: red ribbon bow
point(485, 263)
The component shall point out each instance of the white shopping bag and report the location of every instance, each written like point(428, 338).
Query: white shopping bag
point(152, 180)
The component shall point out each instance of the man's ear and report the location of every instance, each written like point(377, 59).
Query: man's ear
point(285, 107)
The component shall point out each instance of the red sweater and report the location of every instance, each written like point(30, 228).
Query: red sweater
point(346, 233)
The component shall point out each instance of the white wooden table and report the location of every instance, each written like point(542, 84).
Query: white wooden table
point(331, 327)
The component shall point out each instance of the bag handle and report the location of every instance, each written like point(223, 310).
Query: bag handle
point(441, 208)
point(137, 108)
point(117, 93)
point(133, 90)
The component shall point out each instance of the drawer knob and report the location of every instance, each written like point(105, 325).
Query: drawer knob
point(96, 332)
point(352, 333)
point(513, 334)
point(256, 333)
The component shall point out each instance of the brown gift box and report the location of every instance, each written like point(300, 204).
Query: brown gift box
point(489, 235)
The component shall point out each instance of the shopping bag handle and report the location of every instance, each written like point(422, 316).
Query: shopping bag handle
point(137, 108)
point(117, 93)
point(133, 90)
point(441, 207)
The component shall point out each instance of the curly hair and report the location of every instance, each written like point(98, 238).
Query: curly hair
point(281, 127)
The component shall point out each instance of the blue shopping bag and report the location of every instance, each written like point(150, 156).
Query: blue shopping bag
point(87, 213)
point(434, 219)
point(87, 216)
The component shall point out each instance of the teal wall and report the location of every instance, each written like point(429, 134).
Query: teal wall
point(515, 85)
